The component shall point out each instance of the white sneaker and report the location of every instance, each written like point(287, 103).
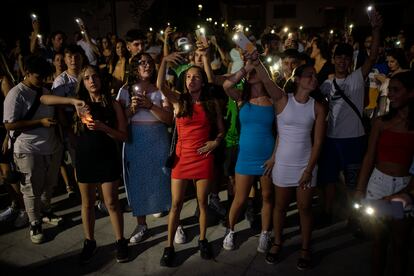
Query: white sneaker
point(22, 219)
point(180, 236)
point(138, 234)
point(7, 214)
point(264, 240)
point(228, 242)
point(102, 208)
point(36, 233)
point(159, 215)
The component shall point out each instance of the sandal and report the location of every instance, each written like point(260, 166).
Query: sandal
point(305, 263)
point(273, 258)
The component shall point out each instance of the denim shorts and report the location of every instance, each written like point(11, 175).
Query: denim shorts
point(381, 184)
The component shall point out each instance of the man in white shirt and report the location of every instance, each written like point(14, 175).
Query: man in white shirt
point(36, 148)
point(345, 143)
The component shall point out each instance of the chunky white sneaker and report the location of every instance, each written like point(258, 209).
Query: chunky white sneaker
point(138, 234)
point(264, 240)
point(180, 236)
point(7, 214)
point(228, 242)
point(36, 233)
point(51, 218)
point(22, 219)
point(159, 215)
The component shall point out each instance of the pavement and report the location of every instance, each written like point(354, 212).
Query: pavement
point(335, 250)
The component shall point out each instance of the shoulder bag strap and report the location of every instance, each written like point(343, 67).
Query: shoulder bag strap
point(348, 101)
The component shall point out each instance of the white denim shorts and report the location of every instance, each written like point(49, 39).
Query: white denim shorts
point(381, 184)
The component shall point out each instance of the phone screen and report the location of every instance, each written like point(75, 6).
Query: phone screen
point(243, 42)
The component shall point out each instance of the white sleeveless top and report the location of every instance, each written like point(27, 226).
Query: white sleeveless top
point(293, 151)
point(143, 115)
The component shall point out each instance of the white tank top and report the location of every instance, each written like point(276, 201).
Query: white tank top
point(295, 125)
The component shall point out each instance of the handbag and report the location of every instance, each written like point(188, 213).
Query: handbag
point(169, 163)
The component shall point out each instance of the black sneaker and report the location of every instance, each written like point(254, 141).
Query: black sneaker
point(168, 256)
point(122, 251)
point(89, 249)
point(205, 250)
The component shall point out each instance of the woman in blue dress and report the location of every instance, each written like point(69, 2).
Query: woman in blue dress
point(256, 147)
point(149, 114)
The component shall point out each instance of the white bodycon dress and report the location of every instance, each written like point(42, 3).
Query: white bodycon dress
point(293, 151)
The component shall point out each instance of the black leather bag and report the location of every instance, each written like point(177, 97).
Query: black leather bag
point(169, 163)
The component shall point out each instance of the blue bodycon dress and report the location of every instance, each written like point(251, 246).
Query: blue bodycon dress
point(256, 138)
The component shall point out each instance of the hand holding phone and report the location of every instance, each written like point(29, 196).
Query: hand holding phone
point(370, 9)
point(243, 42)
point(383, 208)
point(201, 36)
point(34, 17)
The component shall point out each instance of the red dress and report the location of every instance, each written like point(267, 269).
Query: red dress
point(193, 133)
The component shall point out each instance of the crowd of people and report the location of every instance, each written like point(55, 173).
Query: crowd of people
point(287, 117)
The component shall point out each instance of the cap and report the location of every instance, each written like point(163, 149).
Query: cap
point(181, 42)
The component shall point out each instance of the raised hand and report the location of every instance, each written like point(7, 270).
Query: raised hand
point(175, 58)
point(376, 19)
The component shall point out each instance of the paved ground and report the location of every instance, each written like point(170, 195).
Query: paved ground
point(335, 250)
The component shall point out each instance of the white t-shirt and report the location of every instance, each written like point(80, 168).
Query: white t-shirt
point(90, 54)
point(64, 85)
point(39, 140)
point(343, 122)
point(143, 115)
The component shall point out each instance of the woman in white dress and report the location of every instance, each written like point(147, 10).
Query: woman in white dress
point(297, 152)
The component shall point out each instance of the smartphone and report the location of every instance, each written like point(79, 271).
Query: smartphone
point(370, 9)
point(201, 36)
point(137, 89)
point(384, 208)
point(243, 42)
point(34, 17)
point(79, 21)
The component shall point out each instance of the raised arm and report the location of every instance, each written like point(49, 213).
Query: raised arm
point(274, 91)
point(376, 23)
point(166, 89)
point(224, 58)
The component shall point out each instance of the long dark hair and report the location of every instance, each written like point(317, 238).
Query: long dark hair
point(133, 76)
point(407, 80)
point(185, 101)
point(83, 94)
